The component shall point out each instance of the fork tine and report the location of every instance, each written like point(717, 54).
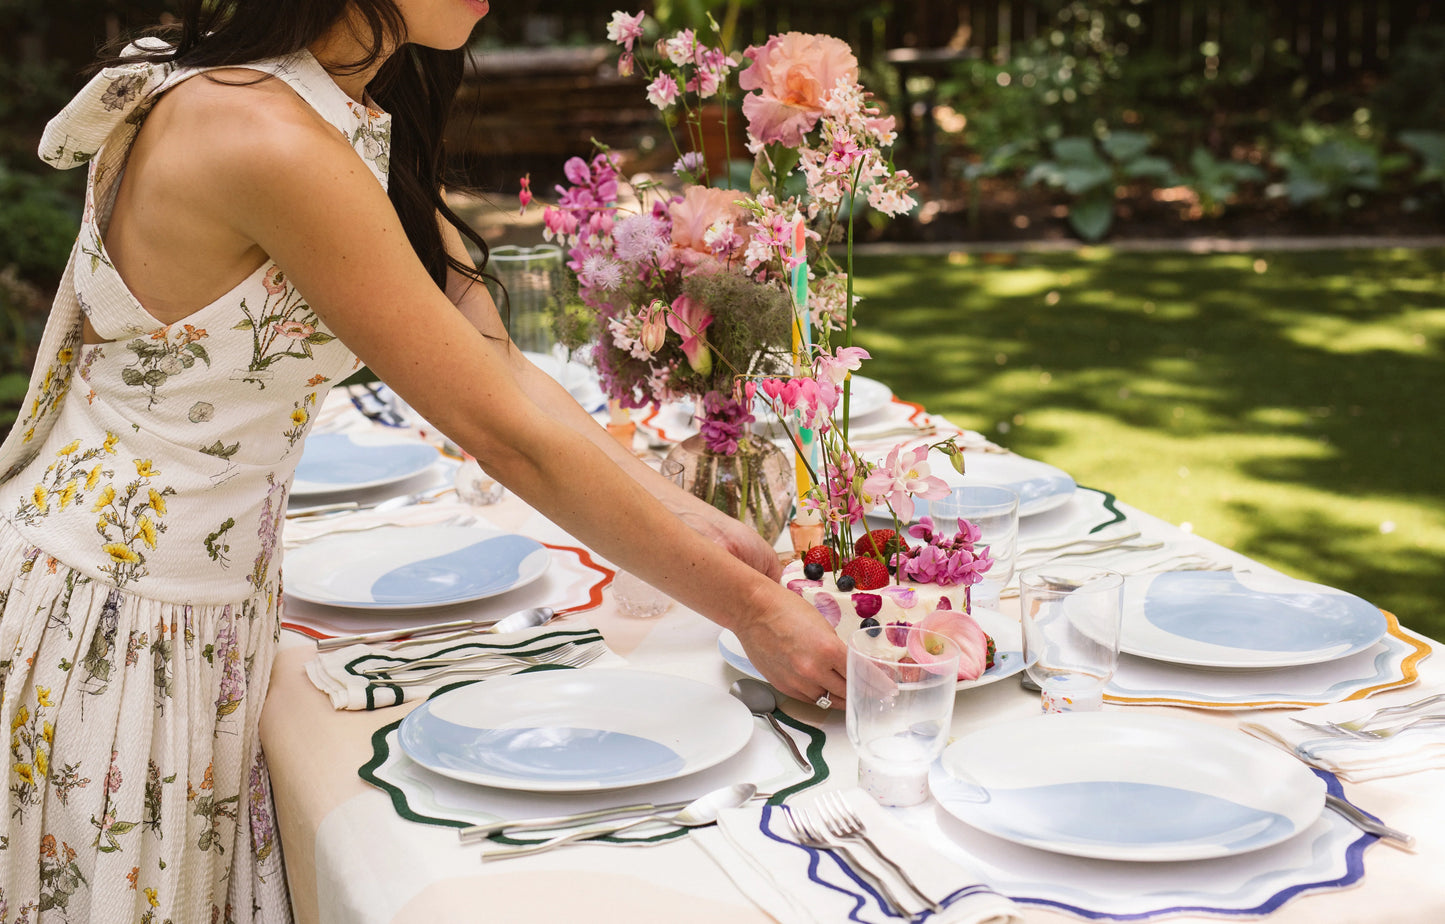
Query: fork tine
point(808, 834)
point(847, 823)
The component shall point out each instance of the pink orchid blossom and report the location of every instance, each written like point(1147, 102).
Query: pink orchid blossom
point(903, 476)
point(792, 73)
point(689, 319)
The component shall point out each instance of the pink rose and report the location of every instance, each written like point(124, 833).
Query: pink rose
point(793, 72)
point(700, 208)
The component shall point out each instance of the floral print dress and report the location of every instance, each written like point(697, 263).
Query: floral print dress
point(142, 493)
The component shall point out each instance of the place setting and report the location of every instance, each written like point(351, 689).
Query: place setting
point(1115, 814)
point(603, 754)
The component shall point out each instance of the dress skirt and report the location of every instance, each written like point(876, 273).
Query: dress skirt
point(136, 787)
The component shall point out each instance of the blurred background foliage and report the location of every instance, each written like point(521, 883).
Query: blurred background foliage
point(1020, 117)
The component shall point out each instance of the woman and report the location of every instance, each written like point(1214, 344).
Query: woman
point(238, 254)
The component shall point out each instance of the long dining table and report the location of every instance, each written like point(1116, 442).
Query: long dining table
point(353, 856)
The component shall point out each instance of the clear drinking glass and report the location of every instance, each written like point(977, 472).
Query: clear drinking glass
point(531, 282)
point(1071, 617)
point(899, 710)
point(634, 596)
point(995, 511)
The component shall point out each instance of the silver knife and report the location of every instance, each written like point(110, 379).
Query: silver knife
point(482, 832)
point(1369, 825)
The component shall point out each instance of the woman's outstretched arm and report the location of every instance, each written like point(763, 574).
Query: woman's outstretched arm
point(295, 187)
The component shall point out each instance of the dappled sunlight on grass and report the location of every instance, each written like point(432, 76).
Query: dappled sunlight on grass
point(1285, 404)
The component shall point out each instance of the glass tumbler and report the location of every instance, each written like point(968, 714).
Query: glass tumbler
point(1071, 618)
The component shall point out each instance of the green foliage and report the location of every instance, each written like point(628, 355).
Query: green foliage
point(1089, 172)
point(38, 222)
point(1217, 181)
point(1414, 94)
point(1330, 168)
point(1430, 146)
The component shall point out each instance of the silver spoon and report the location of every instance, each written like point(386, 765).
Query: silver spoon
point(460, 628)
point(698, 813)
point(761, 702)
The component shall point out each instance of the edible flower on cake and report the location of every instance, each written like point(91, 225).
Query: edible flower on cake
point(925, 585)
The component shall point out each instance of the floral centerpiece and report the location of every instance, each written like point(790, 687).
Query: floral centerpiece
point(730, 297)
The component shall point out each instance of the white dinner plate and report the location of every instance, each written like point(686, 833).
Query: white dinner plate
point(580, 381)
point(354, 461)
point(1122, 786)
point(1008, 657)
point(408, 567)
point(576, 730)
point(1227, 619)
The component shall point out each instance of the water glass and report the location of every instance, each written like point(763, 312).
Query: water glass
point(1071, 617)
point(527, 290)
point(634, 596)
point(995, 511)
point(899, 710)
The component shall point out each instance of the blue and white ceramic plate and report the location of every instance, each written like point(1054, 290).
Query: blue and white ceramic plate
point(354, 461)
point(1227, 619)
point(1007, 638)
point(571, 731)
point(409, 567)
point(1120, 786)
point(1041, 487)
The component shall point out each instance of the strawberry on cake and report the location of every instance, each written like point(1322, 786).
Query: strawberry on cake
point(890, 583)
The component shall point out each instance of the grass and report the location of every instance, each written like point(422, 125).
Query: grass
point(1283, 404)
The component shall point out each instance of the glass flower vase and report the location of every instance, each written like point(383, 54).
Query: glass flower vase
point(754, 485)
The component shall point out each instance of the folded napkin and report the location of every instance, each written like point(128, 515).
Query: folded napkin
point(1353, 759)
point(801, 885)
point(338, 673)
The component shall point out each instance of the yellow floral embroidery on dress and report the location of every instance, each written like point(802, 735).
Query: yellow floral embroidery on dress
point(131, 516)
point(65, 481)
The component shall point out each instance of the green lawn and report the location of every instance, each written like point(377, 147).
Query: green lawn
point(1284, 404)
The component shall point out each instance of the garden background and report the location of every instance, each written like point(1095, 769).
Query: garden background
point(1188, 250)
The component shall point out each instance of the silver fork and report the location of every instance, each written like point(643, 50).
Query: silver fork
point(1376, 734)
point(844, 823)
point(1355, 725)
point(805, 832)
point(578, 656)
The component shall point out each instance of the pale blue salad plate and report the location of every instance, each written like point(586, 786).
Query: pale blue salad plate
point(411, 567)
point(1243, 620)
point(1119, 786)
point(333, 462)
point(575, 730)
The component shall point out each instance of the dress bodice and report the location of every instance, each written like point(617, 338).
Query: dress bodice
point(159, 460)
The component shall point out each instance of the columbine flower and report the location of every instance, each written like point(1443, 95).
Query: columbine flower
point(662, 92)
point(624, 29)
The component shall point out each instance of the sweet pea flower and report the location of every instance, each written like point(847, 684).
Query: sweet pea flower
point(689, 319)
point(903, 476)
point(792, 73)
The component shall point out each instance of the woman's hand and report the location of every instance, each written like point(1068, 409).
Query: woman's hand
point(796, 650)
point(741, 541)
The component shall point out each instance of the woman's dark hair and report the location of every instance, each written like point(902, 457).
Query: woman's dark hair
point(416, 86)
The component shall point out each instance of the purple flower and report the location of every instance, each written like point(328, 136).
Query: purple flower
point(723, 421)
